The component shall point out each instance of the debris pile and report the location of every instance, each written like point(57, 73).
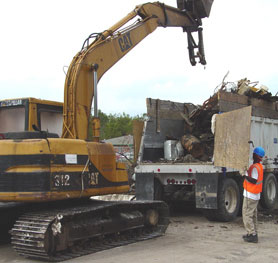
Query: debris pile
point(198, 138)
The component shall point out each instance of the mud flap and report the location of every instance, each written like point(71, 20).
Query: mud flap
point(206, 191)
point(144, 186)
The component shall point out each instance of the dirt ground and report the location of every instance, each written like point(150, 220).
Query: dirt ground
point(189, 238)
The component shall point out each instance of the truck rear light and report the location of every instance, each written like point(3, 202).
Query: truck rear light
point(188, 181)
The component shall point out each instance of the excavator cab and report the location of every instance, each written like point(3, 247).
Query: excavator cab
point(196, 9)
point(18, 117)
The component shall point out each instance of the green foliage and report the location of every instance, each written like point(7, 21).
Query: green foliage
point(115, 125)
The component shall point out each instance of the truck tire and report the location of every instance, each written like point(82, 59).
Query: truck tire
point(228, 201)
point(269, 193)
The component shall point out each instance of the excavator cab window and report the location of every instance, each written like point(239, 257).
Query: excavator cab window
point(12, 116)
point(50, 118)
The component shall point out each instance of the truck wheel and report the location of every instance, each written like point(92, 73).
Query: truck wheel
point(269, 193)
point(158, 190)
point(228, 200)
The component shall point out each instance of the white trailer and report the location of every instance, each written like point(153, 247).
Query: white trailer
point(215, 186)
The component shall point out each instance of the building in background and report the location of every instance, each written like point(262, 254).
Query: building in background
point(123, 147)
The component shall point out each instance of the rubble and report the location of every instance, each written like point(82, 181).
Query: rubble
point(193, 145)
point(198, 138)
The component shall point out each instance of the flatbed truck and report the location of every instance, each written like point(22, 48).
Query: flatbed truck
point(214, 185)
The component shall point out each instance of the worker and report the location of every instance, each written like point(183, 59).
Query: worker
point(253, 185)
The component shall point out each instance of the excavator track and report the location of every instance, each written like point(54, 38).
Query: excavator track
point(75, 230)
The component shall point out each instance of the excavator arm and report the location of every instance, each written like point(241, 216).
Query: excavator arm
point(108, 47)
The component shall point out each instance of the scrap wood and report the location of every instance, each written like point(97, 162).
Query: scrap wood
point(207, 105)
point(193, 145)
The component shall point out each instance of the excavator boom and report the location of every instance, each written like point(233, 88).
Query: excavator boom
point(108, 47)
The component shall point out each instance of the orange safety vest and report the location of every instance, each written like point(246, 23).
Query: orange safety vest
point(258, 187)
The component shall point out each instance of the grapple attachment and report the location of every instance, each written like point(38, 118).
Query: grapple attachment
point(198, 8)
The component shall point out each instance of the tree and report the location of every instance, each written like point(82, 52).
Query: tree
point(114, 125)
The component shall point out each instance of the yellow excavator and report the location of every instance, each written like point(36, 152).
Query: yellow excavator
point(52, 178)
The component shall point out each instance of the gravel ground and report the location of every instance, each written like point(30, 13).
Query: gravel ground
point(189, 238)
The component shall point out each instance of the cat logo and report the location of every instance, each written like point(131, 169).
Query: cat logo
point(93, 178)
point(125, 42)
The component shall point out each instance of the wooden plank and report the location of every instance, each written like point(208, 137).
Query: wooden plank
point(168, 109)
point(232, 97)
point(157, 116)
point(232, 134)
point(225, 106)
point(265, 113)
point(137, 135)
point(228, 101)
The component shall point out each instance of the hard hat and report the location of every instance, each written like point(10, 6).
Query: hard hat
point(259, 151)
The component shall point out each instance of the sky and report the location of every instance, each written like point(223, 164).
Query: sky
point(40, 38)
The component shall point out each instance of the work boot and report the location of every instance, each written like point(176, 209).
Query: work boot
point(251, 238)
point(245, 236)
